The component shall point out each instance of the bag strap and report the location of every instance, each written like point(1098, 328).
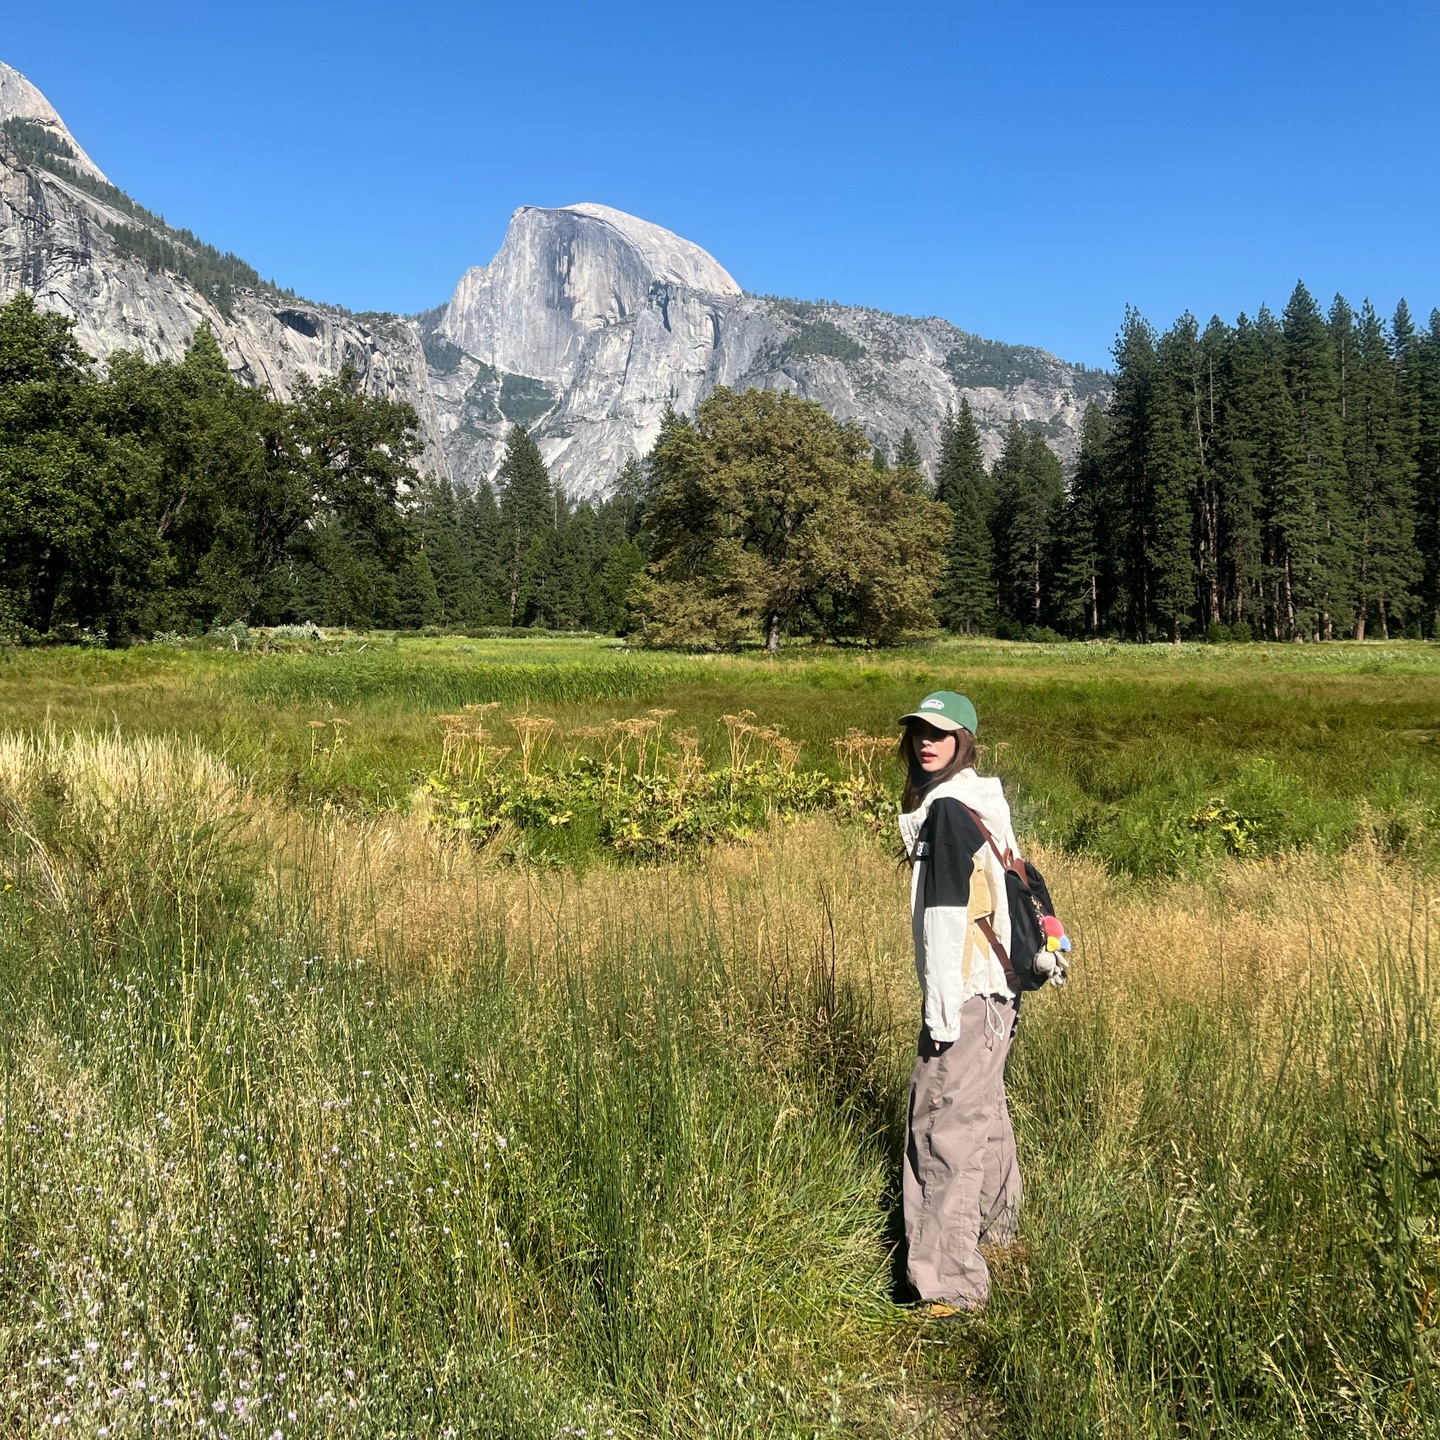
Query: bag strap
point(1007, 861)
point(983, 925)
point(1001, 954)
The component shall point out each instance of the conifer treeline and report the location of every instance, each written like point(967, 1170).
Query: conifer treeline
point(1273, 478)
point(169, 497)
point(1270, 479)
point(521, 553)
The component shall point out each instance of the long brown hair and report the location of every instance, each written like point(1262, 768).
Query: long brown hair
point(918, 781)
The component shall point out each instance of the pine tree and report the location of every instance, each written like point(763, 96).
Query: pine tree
point(1343, 341)
point(478, 525)
point(1205, 406)
point(1085, 569)
point(1379, 461)
point(631, 494)
point(907, 454)
point(966, 600)
point(527, 512)
point(610, 602)
point(559, 591)
point(1425, 370)
point(1174, 463)
point(1006, 483)
point(1408, 368)
point(1030, 490)
point(1128, 461)
point(1317, 526)
point(1251, 389)
point(962, 461)
point(435, 524)
point(417, 601)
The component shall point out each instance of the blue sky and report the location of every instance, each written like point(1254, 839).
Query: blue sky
point(1025, 170)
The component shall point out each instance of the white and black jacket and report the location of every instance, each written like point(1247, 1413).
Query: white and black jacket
point(955, 881)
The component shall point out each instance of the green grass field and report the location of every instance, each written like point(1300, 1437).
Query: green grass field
point(320, 1118)
point(1108, 751)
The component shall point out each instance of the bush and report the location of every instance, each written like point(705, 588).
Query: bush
point(1218, 632)
point(234, 636)
point(639, 798)
point(308, 631)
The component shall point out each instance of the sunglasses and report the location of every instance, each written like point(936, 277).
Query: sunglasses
point(928, 732)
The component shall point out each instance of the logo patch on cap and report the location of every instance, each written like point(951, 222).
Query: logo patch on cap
point(932, 704)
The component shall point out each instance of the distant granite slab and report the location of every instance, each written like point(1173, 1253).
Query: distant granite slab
point(585, 326)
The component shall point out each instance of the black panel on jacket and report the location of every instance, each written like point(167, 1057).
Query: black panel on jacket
point(953, 839)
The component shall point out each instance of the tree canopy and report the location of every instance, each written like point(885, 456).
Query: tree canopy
point(1278, 478)
point(171, 497)
point(764, 516)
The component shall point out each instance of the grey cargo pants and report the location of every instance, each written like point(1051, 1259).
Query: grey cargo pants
point(962, 1182)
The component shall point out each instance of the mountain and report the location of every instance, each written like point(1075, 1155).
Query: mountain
point(130, 281)
point(589, 322)
point(585, 326)
point(20, 100)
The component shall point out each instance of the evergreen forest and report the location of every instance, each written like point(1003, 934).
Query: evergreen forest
point(1275, 478)
point(1278, 478)
point(169, 498)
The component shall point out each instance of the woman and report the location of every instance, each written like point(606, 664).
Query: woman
point(962, 1183)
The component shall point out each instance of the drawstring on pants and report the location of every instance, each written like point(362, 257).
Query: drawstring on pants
point(994, 1021)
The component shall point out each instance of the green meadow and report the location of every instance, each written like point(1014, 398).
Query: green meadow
point(1115, 752)
point(412, 1036)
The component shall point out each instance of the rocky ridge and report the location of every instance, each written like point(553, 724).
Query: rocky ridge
point(585, 326)
point(588, 324)
point(59, 241)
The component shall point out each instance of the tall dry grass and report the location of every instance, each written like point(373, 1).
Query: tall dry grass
point(330, 1126)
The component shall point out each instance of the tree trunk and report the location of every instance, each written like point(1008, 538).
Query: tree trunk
point(772, 634)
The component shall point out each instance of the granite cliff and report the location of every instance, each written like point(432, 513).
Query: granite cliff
point(68, 236)
point(585, 326)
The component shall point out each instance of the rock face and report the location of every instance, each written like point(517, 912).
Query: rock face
point(54, 243)
point(589, 323)
point(585, 326)
point(20, 100)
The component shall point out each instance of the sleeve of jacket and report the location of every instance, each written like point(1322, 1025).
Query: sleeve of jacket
point(954, 838)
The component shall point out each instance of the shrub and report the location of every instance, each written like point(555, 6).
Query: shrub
point(234, 636)
point(307, 631)
point(633, 795)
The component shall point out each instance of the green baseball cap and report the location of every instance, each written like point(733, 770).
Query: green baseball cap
point(946, 710)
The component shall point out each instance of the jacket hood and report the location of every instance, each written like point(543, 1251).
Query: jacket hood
point(984, 795)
